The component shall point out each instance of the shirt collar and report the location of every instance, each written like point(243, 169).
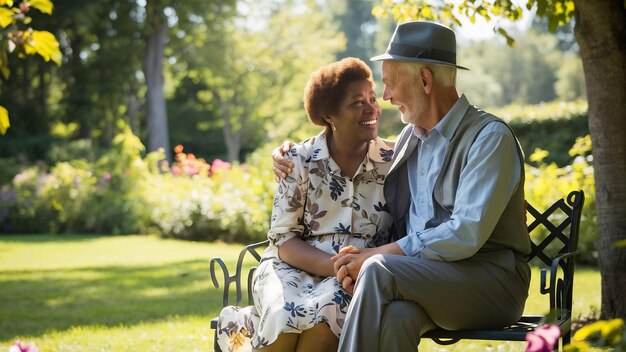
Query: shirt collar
point(320, 148)
point(378, 151)
point(450, 121)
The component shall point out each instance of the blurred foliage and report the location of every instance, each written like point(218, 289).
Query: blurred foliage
point(214, 43)
point(602, 333)
point(550, 126)
point(531, 113)
point(548, 182)
point(557, 12)
point(553, 126)
point(499, 74)
point(124, 192)
point(17, 37)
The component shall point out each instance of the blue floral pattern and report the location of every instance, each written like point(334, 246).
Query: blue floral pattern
point(328, 210)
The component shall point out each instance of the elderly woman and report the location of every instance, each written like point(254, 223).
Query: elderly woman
point(332, 199)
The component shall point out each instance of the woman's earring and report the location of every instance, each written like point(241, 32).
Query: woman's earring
point(332, 126)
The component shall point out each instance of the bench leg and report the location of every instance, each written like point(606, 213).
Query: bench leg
point(216, 346)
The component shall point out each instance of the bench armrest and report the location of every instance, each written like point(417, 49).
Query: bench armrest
point(560, 289)
point(236, 278)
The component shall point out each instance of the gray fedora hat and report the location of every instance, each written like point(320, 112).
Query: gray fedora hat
point(422, 42)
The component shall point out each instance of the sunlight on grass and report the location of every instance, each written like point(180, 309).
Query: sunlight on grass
point(143, 293)
point(190, 333)
point(117, 293)
point(35, 252)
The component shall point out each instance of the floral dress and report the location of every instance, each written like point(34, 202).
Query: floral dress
point(328, 210)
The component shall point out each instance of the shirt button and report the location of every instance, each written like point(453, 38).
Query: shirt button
point(422, 172)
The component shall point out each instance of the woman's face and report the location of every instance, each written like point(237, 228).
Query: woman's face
point(358, 113)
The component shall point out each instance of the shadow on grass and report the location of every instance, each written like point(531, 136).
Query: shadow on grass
point(35, 302)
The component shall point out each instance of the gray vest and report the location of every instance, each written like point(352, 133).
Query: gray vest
point(510, 231)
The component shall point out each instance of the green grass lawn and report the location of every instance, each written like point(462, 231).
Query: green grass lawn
point(143, 293)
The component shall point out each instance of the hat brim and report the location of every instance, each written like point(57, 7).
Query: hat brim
point(387, 56)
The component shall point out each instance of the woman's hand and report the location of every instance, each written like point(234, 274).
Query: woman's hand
point(282, 167)
point(347, 264)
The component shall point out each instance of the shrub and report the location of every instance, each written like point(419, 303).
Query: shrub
point(547, 182)
point(232, 204)
point(82, 196)
point(124, 192)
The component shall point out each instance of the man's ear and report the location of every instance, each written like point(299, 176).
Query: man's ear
point(426, 78)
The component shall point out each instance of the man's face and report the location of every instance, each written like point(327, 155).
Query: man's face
point(403, 89)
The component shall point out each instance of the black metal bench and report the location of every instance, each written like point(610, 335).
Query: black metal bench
point(555, 240)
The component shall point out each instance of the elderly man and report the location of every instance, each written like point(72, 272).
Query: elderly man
point(456, 194)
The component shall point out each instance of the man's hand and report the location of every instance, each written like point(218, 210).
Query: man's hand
point(282, 167)
point(347, 265)
point(349, 260)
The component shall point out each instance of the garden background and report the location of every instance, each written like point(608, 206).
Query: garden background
point(160, 120)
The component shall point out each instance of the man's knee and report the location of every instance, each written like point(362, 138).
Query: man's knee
point(402, 325)
point(373, 268)
point(407, 316)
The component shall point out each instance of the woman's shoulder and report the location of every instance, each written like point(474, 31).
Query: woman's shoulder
point(308, 149)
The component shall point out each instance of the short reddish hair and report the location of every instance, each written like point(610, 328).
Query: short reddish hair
point(327, 86)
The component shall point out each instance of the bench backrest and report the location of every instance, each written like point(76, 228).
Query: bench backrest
point(554, 240)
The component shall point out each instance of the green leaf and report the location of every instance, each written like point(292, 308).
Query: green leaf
point(4, 59)
point(580, 346)
point(621, 243)
point(542, 6)
point(44, 6)
point(4, 120)
point(45, 44)
point(612, 331)
point(589, 331)
point(509, 40)
point(381, 12)
point(552, 23)
point(6, 17)
point(553, 316)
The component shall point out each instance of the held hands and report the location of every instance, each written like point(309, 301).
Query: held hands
point(349, 260)
point(282, 167)
point(347, 265)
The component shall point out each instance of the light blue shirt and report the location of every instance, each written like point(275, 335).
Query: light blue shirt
point(486, 185)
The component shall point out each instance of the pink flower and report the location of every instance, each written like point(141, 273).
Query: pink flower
point(106, 176)
point(220, 164)
point(191, 170)
point(543, 338)
point(19, 346)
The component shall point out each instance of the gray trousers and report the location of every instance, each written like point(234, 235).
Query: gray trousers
point(398, 298)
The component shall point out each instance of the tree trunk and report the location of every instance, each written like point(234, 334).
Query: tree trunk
point(158, 133)
point(232, 137)
point(601, 33)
